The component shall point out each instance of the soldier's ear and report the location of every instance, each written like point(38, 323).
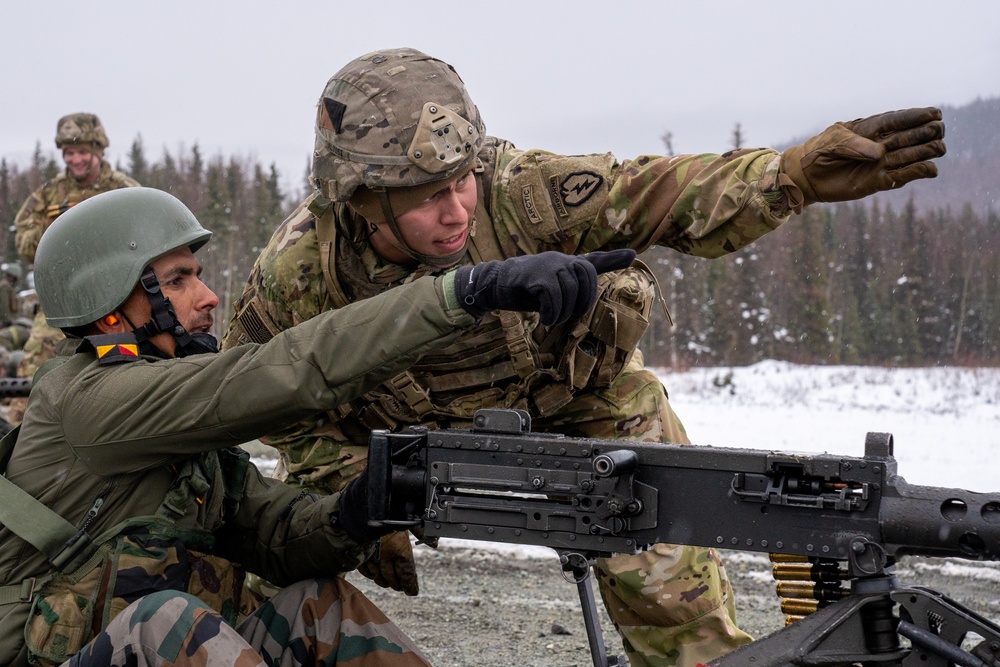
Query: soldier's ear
point(110, 323)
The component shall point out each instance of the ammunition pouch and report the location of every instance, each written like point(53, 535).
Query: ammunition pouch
point(94, 580)
point(597, 348)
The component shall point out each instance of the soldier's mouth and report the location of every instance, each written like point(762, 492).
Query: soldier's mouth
point(203, 328)
point(453, 241)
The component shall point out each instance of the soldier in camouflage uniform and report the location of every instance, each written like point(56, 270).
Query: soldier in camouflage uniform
point(128, 516)
point(16, 335)
point(10, 303)
point(409, 184)
point(82, 140)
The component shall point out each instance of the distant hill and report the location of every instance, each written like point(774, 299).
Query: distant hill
point(970, 172)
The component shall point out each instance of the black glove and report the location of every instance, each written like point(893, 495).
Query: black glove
point(352, 514)
point(557, 286)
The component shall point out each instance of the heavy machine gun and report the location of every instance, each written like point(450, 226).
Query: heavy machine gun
point(850, 519)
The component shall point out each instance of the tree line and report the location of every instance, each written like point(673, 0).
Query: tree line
point(858, 283)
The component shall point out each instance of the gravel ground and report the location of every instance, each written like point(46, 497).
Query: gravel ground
point(482, 607)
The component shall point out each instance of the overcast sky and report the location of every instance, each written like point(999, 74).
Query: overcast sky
point(243, 78)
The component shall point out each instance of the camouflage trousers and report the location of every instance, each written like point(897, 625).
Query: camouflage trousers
point(673, 605)
point(317, 622)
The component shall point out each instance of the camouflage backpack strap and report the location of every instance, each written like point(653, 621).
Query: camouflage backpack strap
point(326, 235)
point(485, 246)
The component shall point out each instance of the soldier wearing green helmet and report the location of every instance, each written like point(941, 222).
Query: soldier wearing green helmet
point(408, 184)
point(81, 139)
point(128, 516)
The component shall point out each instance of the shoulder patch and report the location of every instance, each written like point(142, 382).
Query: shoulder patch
point(578, 187)
point(114, 348)
point(529, 205)
point(555, 197)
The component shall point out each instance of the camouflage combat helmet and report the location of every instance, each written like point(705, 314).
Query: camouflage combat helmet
point(91, 257)
point(393, 118)
point(81, 128)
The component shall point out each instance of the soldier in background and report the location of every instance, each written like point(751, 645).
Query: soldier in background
point(12, 340)
point(82, 140)
point(9, 302)
point(16, 334)
point(408, 184)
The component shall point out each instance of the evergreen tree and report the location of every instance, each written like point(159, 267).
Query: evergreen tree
point(138, 167)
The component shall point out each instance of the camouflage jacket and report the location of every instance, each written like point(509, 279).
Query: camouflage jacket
point(56, 197)
point(530, 202)
point(140, 454)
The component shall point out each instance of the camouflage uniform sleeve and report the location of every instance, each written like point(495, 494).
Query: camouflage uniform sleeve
point(110, 179)
point(123, 180)
point(705, 205)
point(29, 224)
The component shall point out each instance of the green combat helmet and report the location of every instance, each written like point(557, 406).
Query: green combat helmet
point(92, 257)
point(393, 119)
point(81, 128)
point(12, 270)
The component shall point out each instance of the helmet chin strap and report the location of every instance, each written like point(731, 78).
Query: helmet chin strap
point(400, 244)
point(164, 320)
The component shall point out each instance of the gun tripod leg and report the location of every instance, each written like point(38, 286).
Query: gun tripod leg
point(578, 567)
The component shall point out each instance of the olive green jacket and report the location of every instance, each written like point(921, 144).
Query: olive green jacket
point(123, 432)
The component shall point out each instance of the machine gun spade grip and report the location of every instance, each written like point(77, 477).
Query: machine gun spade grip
point(379, 478)
point(395, 489)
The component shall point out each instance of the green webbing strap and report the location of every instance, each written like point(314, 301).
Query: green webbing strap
point(22, 592)
point(27, 517)
point(30, 520)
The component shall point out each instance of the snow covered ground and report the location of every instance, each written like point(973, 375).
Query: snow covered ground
point(945, 421)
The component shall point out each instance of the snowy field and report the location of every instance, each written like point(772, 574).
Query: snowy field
point(945, 421)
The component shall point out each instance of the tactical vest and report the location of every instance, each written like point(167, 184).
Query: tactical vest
point(510, 360)
point(94, 578)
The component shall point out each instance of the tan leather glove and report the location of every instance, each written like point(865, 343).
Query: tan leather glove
point(392, 565)
point(855, 159)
